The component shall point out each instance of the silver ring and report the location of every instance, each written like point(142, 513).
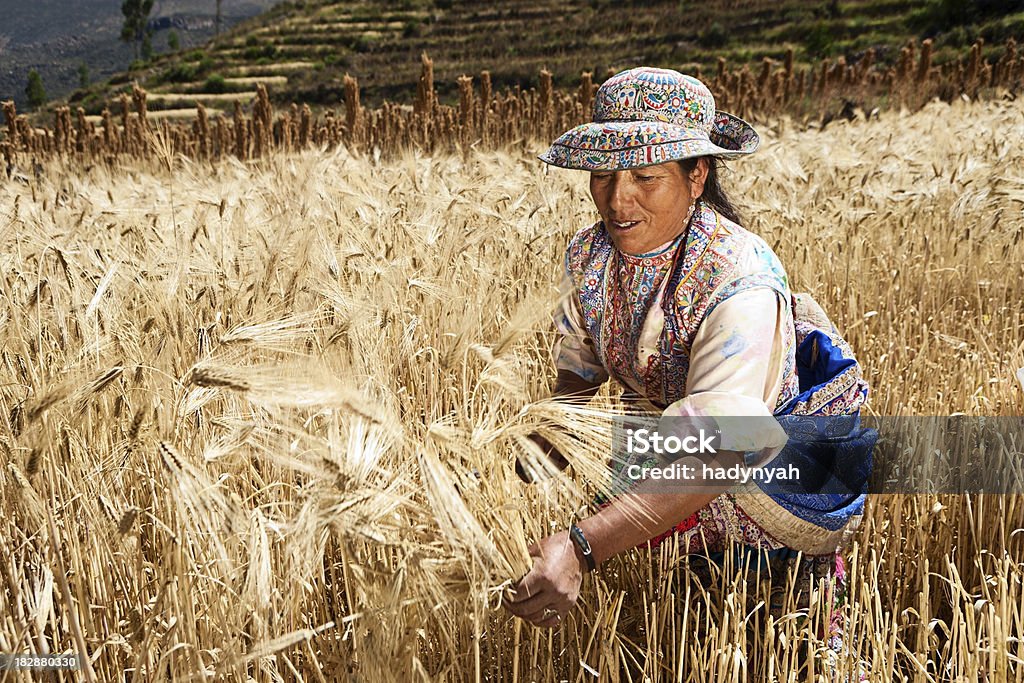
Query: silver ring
point(548, 613)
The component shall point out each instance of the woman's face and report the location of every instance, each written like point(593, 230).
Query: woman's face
point(643, 208)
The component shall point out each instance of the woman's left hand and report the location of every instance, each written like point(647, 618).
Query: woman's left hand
point(549, 590)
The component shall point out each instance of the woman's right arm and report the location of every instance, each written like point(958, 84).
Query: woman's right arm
point(580, 373)
point(568, 387)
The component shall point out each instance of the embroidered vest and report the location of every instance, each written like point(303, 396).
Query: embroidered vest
point(718, 259)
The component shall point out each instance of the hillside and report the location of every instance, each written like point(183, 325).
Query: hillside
point(302, 50)
point(56, 37)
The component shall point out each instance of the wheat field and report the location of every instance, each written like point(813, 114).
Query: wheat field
point(259, 419)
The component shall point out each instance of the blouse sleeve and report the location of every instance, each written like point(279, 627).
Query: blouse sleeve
point(574, 349)
point(737, 369)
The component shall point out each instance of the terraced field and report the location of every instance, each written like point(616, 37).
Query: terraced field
point(56, 38)
point(302, 50)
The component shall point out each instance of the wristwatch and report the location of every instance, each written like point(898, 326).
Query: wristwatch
point(576, 534)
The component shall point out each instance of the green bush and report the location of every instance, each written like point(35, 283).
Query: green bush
point(258, 51)
point(181, 73)
point(714, 36)
point(819, 41)
point(943, 15)
point(1009, 27)
point(958, 37)
point(363, 43)
point(215, 84)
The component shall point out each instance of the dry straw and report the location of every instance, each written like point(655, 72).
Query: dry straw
point(329, 492)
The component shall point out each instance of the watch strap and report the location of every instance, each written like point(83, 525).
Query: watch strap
point(580, 540)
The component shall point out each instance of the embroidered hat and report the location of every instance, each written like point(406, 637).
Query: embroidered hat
point(648, 116)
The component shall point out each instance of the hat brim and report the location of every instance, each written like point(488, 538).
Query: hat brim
point(621, 145)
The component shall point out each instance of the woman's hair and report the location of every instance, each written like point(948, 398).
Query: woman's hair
point(713, 192)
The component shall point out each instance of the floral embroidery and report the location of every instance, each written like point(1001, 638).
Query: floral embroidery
point(649, 116)
point(686, 281)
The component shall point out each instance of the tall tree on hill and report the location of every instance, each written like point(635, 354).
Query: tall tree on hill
point(34, 90)
point(136, 14)
point(216, 23)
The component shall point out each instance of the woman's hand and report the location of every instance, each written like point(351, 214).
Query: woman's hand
point(549, 590)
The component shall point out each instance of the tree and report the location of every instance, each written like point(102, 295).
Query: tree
point(136, 15)
point(173, 42)
point(34, 89)
point(83, 75)
point(147, 46)
point(216, 24)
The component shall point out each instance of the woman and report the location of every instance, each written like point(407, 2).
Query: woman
point(693, 315)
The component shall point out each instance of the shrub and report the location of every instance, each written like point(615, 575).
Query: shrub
point(958, 37)
point(363, 43)
point(258, 51)
point(34, 90)
point(181, 73)
point(942, 15)
point(1010, 27)
point(819, 41)
point(215, 84)
point(714, 36)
